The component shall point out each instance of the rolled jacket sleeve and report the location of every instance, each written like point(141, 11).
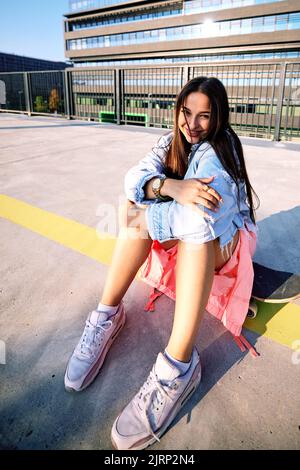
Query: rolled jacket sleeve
point(171, 220)
point(150, 166)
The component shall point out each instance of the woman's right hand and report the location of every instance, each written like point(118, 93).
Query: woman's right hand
point(191, 192)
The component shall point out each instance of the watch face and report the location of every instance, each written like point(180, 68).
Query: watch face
point(156, 183)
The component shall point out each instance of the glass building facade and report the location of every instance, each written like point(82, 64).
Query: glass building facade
point(208, 29)
point(192, 59)
point(132, 57)
point(18, 63)
point(188, 7)
point(144, 32)
point(79, 5)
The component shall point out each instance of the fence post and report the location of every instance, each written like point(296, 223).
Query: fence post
point(118, 94)
point(67, 94)
point(280, 98)
point(27, 89)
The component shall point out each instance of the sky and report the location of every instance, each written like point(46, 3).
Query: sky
point(33, 28)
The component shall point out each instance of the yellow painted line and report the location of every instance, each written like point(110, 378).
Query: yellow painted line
point(69, 233)
point(279, 322)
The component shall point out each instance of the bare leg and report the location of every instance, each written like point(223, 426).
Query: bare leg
point(131, 250)
point(194, 277)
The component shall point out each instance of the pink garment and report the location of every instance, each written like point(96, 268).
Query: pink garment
point(232, 285)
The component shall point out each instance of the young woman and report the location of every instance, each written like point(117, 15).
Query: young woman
point(191, 190)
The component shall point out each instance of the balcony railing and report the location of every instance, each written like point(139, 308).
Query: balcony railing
point(264, 98)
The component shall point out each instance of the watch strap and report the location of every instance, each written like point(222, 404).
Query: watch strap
point(157, 191)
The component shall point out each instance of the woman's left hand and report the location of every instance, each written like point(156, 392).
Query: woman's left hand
point(192, 192)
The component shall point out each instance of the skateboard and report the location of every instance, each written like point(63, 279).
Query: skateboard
point(272, 286)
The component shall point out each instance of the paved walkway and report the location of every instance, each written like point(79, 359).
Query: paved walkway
point(59, 181)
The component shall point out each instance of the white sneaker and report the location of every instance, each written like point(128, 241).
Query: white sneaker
point(155, 406)
point(87, 359)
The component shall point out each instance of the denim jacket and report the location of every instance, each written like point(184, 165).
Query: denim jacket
point(170, 220)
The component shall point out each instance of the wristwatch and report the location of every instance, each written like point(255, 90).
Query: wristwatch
point(156, 187)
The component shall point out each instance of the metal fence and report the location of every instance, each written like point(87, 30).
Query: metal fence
point(264, 98)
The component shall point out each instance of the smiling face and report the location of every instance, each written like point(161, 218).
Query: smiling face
point(194, 114)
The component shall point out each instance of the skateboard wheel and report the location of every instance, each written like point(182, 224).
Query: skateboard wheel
point(252, 310)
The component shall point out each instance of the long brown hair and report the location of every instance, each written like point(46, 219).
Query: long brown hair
point(220, 136)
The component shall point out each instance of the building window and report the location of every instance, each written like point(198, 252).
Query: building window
point(204, 30)
point(197, 58)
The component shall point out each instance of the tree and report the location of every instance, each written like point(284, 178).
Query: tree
point(39, 105)
point(53, 100)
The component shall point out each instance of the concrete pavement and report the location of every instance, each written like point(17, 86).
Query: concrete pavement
point(75, 170)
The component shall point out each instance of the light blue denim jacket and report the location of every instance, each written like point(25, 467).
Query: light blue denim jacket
point(171, 220)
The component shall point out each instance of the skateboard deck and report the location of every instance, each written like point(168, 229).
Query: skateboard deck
point(272, 286)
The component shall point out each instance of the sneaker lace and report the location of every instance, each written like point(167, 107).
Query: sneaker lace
point(151, 397)
point(92, 338)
